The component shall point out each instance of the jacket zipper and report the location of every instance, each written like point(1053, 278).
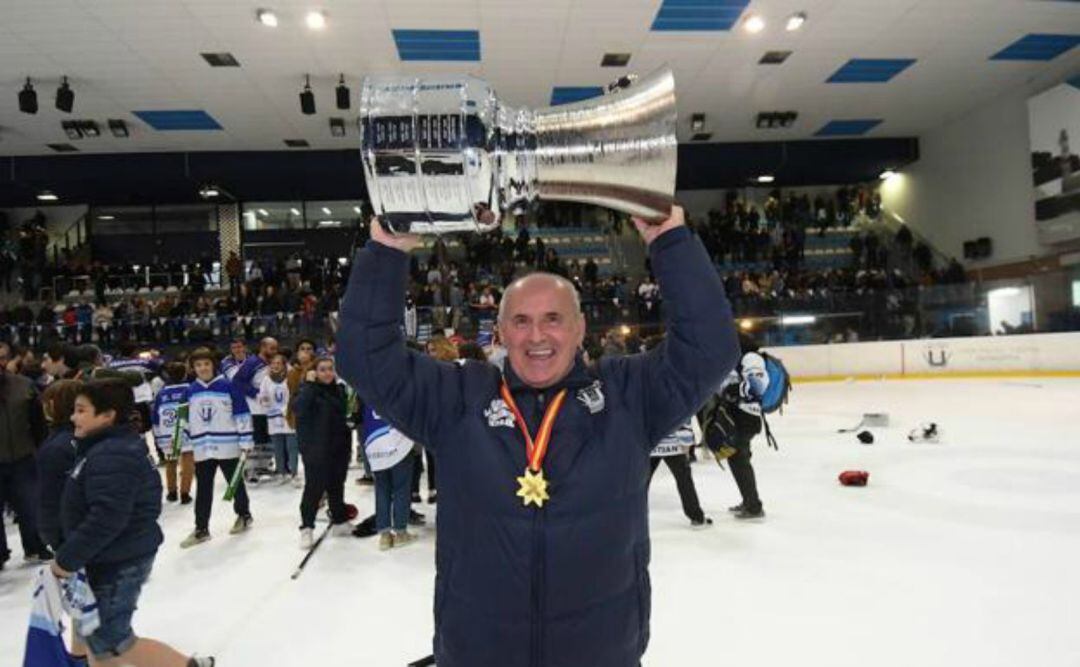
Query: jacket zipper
point(538, 571)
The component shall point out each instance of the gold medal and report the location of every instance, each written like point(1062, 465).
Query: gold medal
point(533, 488)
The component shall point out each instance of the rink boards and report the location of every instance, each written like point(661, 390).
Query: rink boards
point(1047, 355)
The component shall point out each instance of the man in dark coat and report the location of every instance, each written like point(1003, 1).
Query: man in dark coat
point(542, 560)
point(22, 428)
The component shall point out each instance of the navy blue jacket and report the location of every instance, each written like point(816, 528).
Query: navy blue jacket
point(55, 459)
point(111, 502)
point(322, 419)
point(566, 585)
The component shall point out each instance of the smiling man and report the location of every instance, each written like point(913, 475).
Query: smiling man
point(543, 541)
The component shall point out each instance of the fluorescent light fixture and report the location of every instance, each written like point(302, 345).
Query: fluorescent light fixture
point(887, 174)
point(294, 211)
point(329, 223)
point(106, 217)
point(45, 195)
point(267, 18)
point(794, 320)
point(356, 208)
point(1003, 291)
point(746, 324)
point(766, 178)
point(315, 20)
point(209, 191)
point(796, 21)
point(262, 212)
point(754, 24)
point(624, 330)
point(326, 210)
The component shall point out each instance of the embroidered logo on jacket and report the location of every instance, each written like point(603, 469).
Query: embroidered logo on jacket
point(592, 397)
point(498, 414)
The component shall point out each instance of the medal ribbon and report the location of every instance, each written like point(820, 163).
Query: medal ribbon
point(535, 449)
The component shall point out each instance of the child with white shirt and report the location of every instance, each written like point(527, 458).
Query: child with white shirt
point(274, 398)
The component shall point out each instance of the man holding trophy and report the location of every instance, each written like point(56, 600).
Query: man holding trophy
point(543, 542)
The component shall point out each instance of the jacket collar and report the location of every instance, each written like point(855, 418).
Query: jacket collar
point(84, 444)
point(577, 378)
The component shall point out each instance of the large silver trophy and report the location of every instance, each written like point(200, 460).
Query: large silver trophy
point(446, 155)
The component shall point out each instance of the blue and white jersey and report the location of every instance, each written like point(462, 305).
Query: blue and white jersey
point(219, 423)
point(677, 442)
point(753, 380)
point(229, 366)
point(146, 368)
point(165, 412)
point(248, 378)
point(274, 399)
point(384, 445)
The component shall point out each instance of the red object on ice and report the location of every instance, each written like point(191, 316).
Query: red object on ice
point(351, 511)
point(854, 477)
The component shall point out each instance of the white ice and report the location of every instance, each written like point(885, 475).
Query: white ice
point(964, 552)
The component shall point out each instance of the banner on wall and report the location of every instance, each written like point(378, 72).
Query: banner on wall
point(1054, 127)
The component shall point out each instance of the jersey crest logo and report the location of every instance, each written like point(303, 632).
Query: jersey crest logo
point(592, 397)
point(498, 414)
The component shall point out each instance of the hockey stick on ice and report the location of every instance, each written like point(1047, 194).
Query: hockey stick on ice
point(238, 474)
point(311, 552)
point(422, 662)
point(868, 419)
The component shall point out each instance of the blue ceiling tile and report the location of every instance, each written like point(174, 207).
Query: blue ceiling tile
point(1037, 47)
point(182, 119)
point(456, 45)
point(848, 128)
point(703, 15)
point(568, 94)
point(870, 70)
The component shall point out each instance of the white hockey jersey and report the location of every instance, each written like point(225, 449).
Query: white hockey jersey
point(753, 380)
point(680, 441)
point(219, 422)
point(274, 399)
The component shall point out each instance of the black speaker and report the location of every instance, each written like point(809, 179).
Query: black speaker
point(307, 102)
point(970, 250)
point(28, 98)
point(980, 248)
point(342, 96)
point(65, 97)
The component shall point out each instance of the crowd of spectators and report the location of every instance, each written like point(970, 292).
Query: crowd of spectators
point(459, 288)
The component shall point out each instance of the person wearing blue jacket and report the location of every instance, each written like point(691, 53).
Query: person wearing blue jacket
point(542, 551)
point(109, 516)
point(56, 457)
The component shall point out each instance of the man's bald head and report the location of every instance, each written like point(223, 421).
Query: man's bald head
point(268, 347)
point(542, 328)
point(540, 280)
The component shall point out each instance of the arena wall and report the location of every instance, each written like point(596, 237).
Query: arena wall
point(1056, 354)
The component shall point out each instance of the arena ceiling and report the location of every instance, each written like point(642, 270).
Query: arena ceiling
point(872, 68)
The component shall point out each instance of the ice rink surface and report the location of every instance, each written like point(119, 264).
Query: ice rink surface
point(965, 552)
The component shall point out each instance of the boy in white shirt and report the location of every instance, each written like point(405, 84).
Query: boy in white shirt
point(274, 399)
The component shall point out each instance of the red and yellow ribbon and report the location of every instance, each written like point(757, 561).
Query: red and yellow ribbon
point(535, 449)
